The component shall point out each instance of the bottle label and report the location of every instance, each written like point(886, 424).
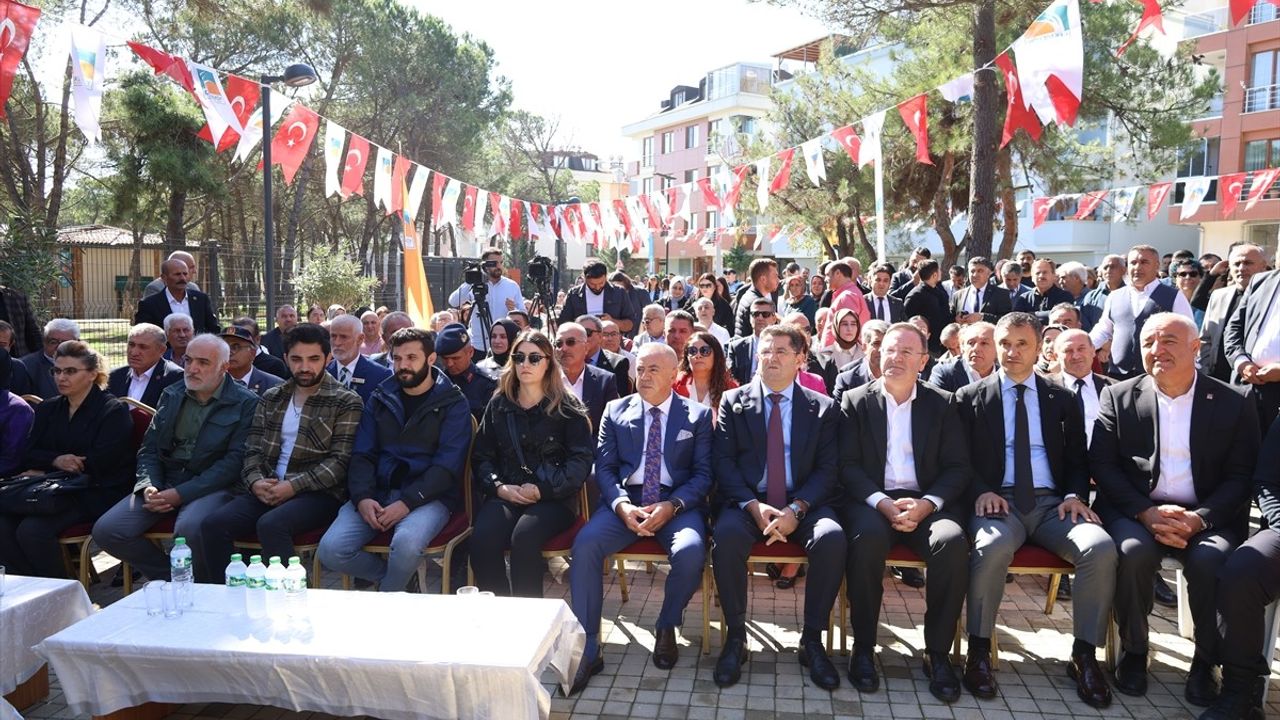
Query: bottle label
point(180, 562)
point(258, 583)
point(236, 581)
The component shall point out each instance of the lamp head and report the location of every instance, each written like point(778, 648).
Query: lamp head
point(298, 75)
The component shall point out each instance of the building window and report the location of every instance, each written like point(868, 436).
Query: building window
point(1263, 12)
point(667, 181)
point(1200, 158)
point(646, 152)
point(1264, 236)
point(713, 219)
point(668, 142)
point(714, 130)
point(691, 136)
point(690, 176)
point(1263, 92)
point(646, 185)
point(1260, 155)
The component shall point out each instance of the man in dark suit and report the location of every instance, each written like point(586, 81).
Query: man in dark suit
point(775, 469)
point(741, 353)
point(980, 301)
point(905, 475)
point(602, 358)
point(1173, 456)
point(1045, 293)
point(929, 301)
point(353, 370)
point(1252, 342)
point(905, 279)
point(594, 386)
point(882, 305)
point(858, 374)
point(653, 468)
point(1075, 353)
point(764, 286)
point(273, 341)
point(16, 310)
point(177, 297)
point(1031, 482)
point(977, 359)
point(146, 372)
point(597, 297)
point(32, 374)
point(240, 363)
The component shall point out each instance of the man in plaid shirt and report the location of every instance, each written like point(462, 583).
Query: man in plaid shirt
point(295, 462)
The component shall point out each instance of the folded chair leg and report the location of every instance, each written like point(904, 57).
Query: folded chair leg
point(1054, 581)
point(622, 580)
point(706, 610)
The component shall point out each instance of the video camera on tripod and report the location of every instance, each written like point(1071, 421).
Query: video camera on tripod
point(541, 270)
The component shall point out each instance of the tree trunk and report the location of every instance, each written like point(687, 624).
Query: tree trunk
point(986, 130)
point(175, 236)
point(1004, 166)
point(942, 213)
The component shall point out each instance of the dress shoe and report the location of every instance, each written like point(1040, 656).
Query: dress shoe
point(665, 650)
point(1091, 682)
point(979, 678)
point(1241, 698)
point(729, 666)
point(1064, 588)
point(586, 669)
point(1203, 684)
point(911, 577)
point(943, 682)
point(862, 670)
point(1131, 674)
point(1164, 595)
point(823, 672)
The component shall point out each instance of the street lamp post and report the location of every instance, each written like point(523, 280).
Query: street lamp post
point(296, 75)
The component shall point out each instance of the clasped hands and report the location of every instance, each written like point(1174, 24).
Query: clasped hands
point(272, 491)
point(1171, 525)
point(775, 524)
point(160, 501)
point(645, 520)
point(905, 514)
point(526, 494)
point(379, 517)
point(1256, 374)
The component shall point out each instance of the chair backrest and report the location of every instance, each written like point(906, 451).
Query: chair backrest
point(584, 502)
point(33, 400)
point(467, 501)
point(141, 421)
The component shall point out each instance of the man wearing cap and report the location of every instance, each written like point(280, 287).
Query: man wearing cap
point(240, 365)
point(457, 358)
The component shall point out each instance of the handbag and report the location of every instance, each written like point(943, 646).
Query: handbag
point(546, 471)
point(47, 494)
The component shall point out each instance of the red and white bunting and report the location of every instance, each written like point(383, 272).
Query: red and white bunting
point(1155, 197)
point(915, 113)
point(1088, 203)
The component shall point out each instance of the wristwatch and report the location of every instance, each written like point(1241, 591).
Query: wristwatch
point(677, 505)
point(797, 510)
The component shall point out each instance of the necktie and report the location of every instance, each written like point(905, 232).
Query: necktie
point(776, 454)
point(243, 383)
point(880, 313)
point(651, 491)
point(1080, 395)
point(977, 300)
point(1024, 492)
point(344, 376)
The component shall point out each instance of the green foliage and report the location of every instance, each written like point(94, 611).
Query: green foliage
point(633, 267)
point(29, 261)
point(328, 277)
point(738, 258)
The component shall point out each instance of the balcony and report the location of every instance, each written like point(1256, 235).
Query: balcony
point(1214, 110)
point(1263, 12)
point(1205, 23)
point(1262, 98)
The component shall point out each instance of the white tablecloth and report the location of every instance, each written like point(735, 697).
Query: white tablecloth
point(31, 610)
point(388, 655)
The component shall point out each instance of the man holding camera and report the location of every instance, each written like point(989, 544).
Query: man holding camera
point(502, 294)
point(596, 296)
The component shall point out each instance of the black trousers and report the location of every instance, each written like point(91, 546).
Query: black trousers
point(522, 529)
point(940, 540)
point(819, 534)
point(1247, 583)
point(29, 543)
point(246, 515)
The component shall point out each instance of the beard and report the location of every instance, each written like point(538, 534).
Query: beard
point(410, 379)
point(307, 380)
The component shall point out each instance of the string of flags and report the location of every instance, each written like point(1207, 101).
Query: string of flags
point(1230, 190)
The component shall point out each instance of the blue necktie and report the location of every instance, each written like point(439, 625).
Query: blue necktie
point(651, 492)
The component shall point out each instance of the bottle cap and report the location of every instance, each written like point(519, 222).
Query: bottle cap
point(275, 560)
point(295, 560)
point(255, 559)
point(236, 557)
point(179, 541)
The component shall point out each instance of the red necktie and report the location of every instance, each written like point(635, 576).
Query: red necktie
point(776, 453)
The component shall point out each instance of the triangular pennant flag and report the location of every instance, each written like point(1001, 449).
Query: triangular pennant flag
point(531, 219)
point(814, 165)
point(1053, 45)
point(872, 129)
point(438, 182)
point(88, 71)
point(1065, 103)
point(915, 113)
point(469, 194)
point(213, 101)
point(762, 183)
point(1040, 208)
point(243, 95)
point(1240, 10)
point(1262, 183)
point(449, 201)
point(1016, 113)
point(20, 22)
point(709, 197)
point(356, 159)
point(623, 215)
point(292, 141)
point(165, 64)
point(515, 214)
point(1122, 203)
point(500, 213)
point(1089, 203)
point(735, 188)
point(482, 204)
point(1155, 197)
point(784, 173)
point(252, 134)
point(335, 136)
point(1230, 188)
point(848, 140)
point(595, 223)
point(651, 212)
point(1194, 191)
point(382, 168)
point(662, 207)
point(678, 199)
point(416, 190)
point(958, 90)
point(1151, 16)
point(399, 182)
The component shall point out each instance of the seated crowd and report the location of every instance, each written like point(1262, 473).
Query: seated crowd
point(1093, 416)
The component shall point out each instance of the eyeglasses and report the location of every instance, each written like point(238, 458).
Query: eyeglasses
point(489, 264)
point(706, 285)
point(565, 342)
point(761, 313)
point(590, 332)
point(776, 352)
point(894, 352)
point(1191, 274)
point(69, 372)
point(531, 358)
point(703, 350)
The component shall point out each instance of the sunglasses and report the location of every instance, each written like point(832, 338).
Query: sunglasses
point(565, 342)
point(706, 285)
point(1188, 274)
point(531, 358)
point(590, 332)
point(761, 313)
point(488, 264)
point(704, 351)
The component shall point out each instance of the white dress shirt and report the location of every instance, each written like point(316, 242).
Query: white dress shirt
point(879, 306)
point(1173, 419)
point(899, 457)
point(1041, 473)
point(1266, 347)
point(574, 387)
point(178, 306)
point(1089, 392)
point(637, 478)
point(497, 296)
point(1105, 327)
point(974, 300)
point(138, 383)
point(351, 372)
point(720, 334)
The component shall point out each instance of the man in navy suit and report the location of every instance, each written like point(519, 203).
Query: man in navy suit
point(741, 353)
point(1044, 294)
point(1251, 339)
point(177, 298)
point(147, 372)
point(240, 365)
point(32, 372)
point(977, 359)
point(597, 297)
point(857, 374)
point(353, 370)
point(653, 466)
point(775, 466)
point(594, 386)
point(980, 300)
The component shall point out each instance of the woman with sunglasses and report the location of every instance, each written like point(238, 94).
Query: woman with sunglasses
point(501, 336)
point(82, 433)
point(704, 372)
point(796, 298)
point(847, 347)
point(709, 288)
point(1187, 276)
point(532, 454)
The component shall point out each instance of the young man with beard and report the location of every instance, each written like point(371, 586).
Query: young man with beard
point(295, 462)
point(406, 468)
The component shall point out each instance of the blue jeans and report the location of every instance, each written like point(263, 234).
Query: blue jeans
point(341, 547)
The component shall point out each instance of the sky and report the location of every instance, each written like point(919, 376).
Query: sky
point(600, 65)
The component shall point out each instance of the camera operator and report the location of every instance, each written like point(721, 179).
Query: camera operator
point(502, 293)
point(597, 297)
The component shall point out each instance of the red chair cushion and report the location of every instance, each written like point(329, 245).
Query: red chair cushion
point(1037, 557)
point(457, 523)
point(643, 546)
point(163, 526)
point(564, 541)
point(902, 553)
point(76, 531)
point(141, 421)
point(785, 550)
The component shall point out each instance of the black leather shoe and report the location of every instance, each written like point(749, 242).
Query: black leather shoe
point(823, 672)
point(1064, 588)
point(979, 678)
point(586, 669)
point(1164, 595)
point(1131, 675)
point(1203, 683)
point(1091, 682)
point(943, 682)
point(911, 577)
point(665, 649)
point(1241, 698)
point(862, 670)
point(729, 666)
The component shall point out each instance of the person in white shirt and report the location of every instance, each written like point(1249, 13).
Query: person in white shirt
point(178, 331)
point(502, 294)
point(652, 319)
point(1128, 308)
point(1075, 353)
point(705, 310)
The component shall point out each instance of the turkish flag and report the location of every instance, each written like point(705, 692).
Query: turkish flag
point(1230, 187)
point(1065, 102)
point(499, 222)
point(1017, 114)
point(848, 140)
point(1040, 208)
point(620, 210)
point(1089, 203)
point(164, 64)
point(15, 34)
point(243, 95)
point(915, 113)
point(469, 193)
point(1151, 15)
point(784, 173)
point(731, 198)
point(1155, 197)
point(293, 140)
point(516, 218)
point(1240, 10)
point(399, 187)
point(353, 166)
point(1262, 182)
point(709, 194)
point(655, 222)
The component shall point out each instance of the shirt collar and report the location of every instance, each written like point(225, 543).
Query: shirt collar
point(351, 366)
point(1069, 380)
point(173, 300)
point(246, 377)
point(146, 374)
point(1007, 383)
point(1185, 397)
point(892, 404)
point(785, 392)
point(665, 406)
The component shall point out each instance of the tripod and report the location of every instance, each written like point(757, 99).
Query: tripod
point(480, 304)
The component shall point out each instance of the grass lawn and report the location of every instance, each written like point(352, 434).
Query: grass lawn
point(108, 338)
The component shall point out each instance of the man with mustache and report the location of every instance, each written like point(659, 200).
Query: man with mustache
point(178, 297)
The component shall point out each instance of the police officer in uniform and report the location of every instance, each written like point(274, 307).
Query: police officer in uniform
point(453, 345)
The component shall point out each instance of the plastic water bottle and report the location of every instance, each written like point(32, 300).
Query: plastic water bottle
point(256, 588)
point(295, 588)
point(180, 571)
point(236, 580)
point(275, 587)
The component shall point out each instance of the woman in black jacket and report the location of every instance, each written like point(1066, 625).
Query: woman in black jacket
point(531, 485)
point(83, 431)
point(707, 288)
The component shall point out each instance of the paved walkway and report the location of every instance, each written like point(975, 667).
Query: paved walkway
point(1032, 675)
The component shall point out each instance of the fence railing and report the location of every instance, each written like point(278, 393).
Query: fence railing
point(1262, 97)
